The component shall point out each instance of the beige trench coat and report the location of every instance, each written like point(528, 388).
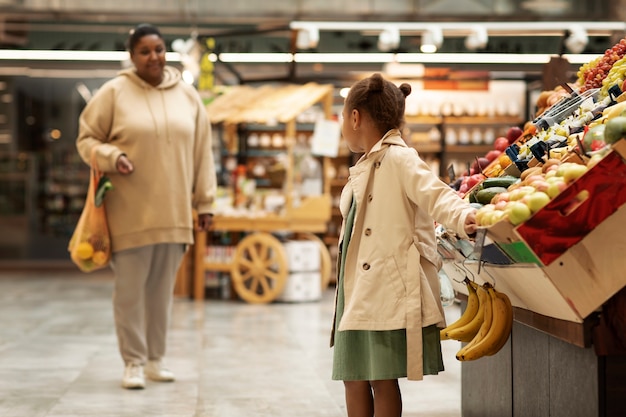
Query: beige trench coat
point(390, 279)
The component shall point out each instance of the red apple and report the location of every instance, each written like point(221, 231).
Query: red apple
point(493, 154)
point(513, 134)
point(480, 164)
point(474, 179)
point(501, 143)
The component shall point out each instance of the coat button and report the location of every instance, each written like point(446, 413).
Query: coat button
point(366, 266)
point(368, 231)
point(377, 164)
point(370, 198)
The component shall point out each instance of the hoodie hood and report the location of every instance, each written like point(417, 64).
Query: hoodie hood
point(171, 77)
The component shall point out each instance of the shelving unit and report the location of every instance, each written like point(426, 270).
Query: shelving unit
point(258, 268)
point(17, 188)
point(427, 134)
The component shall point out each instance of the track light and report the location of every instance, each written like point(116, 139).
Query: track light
point(432, 39)
point(577, 39)
point(477, 39)
point(308, 37)
point(389, 39)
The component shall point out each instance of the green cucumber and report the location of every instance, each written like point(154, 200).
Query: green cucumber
point(485, 195)
point(505, 181)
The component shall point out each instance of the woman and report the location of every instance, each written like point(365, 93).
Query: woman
point(152, 137)
point(388, 309)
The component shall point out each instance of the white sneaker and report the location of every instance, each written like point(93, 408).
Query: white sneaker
point(157, 372)
point(133, 377)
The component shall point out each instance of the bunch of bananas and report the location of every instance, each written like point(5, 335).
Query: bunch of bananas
point(485, 325)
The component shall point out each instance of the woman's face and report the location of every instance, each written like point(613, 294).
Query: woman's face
point(148, 56)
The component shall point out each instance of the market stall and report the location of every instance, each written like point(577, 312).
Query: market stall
point(552, 239)
point(259, 266)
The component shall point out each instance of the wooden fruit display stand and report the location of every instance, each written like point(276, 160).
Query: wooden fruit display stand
point(259, 268)
point(558, 268)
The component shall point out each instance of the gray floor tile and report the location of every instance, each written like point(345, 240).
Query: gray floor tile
point(59, 358)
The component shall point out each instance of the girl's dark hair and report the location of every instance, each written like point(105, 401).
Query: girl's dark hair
point(381, 99)
point(139, 32)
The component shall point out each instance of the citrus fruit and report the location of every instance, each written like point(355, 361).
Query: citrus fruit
point(84, 250)
point(99, 258)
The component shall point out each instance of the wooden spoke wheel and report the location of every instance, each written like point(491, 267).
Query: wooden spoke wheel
point(326, 267)
point(259, 270)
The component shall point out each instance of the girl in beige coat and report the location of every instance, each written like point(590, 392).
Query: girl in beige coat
point(388, 309)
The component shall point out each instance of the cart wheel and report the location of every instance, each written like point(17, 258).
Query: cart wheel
point(326, 267)
point(259, 270)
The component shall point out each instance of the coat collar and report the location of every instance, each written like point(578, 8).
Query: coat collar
point(392, 137)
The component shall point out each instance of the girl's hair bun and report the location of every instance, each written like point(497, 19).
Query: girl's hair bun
point(405, 88)
point(377, 83)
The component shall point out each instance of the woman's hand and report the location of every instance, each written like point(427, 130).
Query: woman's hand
point(205, 221)
point(470, 223)
point(124, 166)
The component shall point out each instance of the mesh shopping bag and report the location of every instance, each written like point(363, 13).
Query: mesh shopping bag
point(90, 245)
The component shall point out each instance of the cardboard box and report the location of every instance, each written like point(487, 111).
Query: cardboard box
point(302, 287)
point(303, 255)
point(569, 258)
point(570, 216)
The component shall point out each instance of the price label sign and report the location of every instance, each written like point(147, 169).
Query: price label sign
point(451, 173)
point(479, 242)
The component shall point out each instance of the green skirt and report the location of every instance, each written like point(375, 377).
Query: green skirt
point(364, 355)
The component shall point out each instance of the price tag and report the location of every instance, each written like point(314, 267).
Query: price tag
point(479, 242)
point(451, 173)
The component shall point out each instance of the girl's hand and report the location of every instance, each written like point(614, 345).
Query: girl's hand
point(470, 223)
point(124, 166)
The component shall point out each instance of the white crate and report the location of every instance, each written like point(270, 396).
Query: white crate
point(302, 286)
point(303, 255)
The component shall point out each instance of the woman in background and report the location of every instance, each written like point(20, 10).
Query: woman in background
point(388, 311)
point(152, 138)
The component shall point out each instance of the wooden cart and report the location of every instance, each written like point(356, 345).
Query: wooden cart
point(259, 268)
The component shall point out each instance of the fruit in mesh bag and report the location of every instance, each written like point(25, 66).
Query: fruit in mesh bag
point(99, 258)
point(84, 250)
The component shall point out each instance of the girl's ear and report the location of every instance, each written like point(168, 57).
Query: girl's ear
point(355, 119)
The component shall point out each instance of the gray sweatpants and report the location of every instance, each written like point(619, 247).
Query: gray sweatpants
point(142, 299)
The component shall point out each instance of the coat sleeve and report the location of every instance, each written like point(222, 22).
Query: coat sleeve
point(94, 128)
point(431, 194)
point(205, 180)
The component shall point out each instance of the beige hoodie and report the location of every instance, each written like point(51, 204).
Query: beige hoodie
point(166, 134)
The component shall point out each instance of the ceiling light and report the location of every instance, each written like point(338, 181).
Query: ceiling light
point(308, 37)
point(432, 39)
point(577, 40)
point(477, 39)
point(389, 39)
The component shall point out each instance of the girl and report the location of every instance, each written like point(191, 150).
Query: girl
point(388, 311)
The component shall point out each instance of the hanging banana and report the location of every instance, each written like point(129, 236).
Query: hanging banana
point(500, 323)
point(469, 313)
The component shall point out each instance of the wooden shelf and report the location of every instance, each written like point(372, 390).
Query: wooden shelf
point(475, 120)
point(423, 120)
point(471, 149)
point(427, 147)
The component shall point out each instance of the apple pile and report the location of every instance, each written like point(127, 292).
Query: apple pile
point(538, 186)
point(490, 165)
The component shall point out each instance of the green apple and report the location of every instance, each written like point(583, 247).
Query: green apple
point(536, 201)
point(520, 192)
point(556, 187)
point(482, 212)
point(517, 212)
point(615, 129)
point(571, 171)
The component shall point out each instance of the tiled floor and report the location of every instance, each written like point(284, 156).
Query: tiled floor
point(58, 357)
